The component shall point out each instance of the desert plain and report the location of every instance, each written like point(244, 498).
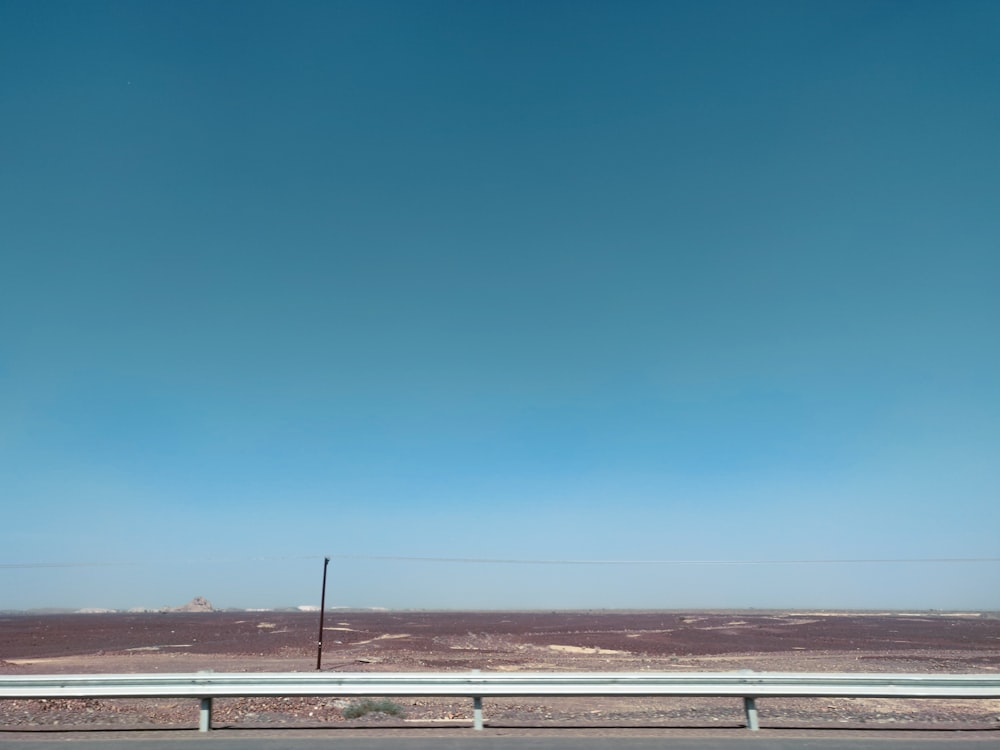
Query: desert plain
point(376, 641)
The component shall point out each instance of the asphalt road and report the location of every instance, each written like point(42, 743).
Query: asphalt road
point(190, 742)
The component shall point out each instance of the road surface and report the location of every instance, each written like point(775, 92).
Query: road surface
point(188, 741)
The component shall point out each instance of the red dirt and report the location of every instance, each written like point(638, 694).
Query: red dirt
point(503, 641)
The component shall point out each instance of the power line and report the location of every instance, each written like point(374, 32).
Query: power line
point(515, 561)
point(147, 563)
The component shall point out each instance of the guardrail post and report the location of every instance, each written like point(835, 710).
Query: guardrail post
point(750, 706)
point(205, 715)
point(477, 713)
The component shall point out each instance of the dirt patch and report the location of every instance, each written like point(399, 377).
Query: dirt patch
point(584, 650)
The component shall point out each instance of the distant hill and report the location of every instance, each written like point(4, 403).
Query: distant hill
point(198, 604)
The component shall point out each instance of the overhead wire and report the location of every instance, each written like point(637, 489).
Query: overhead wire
point(513, 561)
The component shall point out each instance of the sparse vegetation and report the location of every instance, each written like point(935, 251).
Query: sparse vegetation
point(382, 708)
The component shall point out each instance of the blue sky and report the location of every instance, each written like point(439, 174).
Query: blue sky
point(642, 281)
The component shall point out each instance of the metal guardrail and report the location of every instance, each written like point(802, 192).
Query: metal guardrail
point(478, 685)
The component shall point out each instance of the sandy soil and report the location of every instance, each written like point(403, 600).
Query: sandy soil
point(504, 641)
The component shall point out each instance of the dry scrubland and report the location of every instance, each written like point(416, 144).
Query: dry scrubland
point(364, 641)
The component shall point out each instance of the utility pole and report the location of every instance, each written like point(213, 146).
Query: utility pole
point(322, 609)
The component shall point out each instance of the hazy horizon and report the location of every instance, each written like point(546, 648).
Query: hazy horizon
point(412, 584)
point(307, 609)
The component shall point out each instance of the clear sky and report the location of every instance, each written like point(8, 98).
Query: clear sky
point(592, 281)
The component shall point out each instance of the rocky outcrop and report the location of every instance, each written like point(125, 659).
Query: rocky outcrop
point(198, 604)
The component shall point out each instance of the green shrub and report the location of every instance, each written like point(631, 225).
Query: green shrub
point(368, 706)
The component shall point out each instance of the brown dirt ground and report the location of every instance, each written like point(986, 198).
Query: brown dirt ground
point(365, 641)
